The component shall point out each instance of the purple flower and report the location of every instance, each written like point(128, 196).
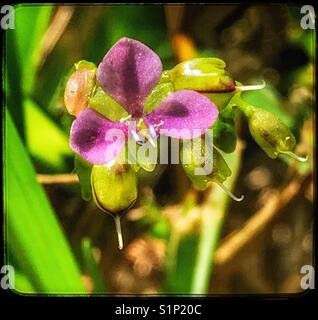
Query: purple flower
point(128, 73)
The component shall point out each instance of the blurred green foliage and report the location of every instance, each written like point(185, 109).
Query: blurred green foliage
point(33, 234)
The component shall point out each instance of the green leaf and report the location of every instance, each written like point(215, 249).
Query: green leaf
point(182, 269)
point(83, 170)
point(91, 266)
point(33, 234)
point(23, 54)
point(31, 23)
point(46, 141)
point(22, 283)
point(268, 99)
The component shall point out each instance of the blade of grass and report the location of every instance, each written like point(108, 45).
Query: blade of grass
point(11, 85)
point(213, 212)
point(45, 140)
point(32, 233)
point(22, 284)
point(31, 23)
point(191, 255)
point(22, 50)
point(91, 267)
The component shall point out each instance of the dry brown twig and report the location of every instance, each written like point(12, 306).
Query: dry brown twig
point(237, 240)
point(64, 178)
point(58, 25)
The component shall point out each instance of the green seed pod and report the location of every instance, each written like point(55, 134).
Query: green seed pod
point(191, 160)
point(272, 135)
point(220, 170)
point(114, 190)
point(83, 170)
point(202, 74)
point(79, 87)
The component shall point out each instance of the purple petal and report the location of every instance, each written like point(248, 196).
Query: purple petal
point(184, 114)
point(128, 73)
point(97, 139)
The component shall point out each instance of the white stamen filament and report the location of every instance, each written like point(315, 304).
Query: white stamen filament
point(252, 87)
point(118, 230)
point(159, 124)
point(151, 140)
point(110, 163)
point(230, 194)
point(152, 131)
point(122, 120)
point(136, 136)
point(295, 156)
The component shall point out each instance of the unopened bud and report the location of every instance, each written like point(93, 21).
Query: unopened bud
point(114, 187)
point(271, 134)
point(202, 74)
point(220, 170)
point(114, 190)
point(79, 87)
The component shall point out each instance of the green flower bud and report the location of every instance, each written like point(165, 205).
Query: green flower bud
point(191, 160)
point(83, 170)
point(79, 87)
point(272, 135)
point(221, 170)
point(83, 64)
point(114, 190)
point(114, 187)
point(201, 74)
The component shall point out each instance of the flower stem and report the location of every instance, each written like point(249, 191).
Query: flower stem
point(213, 212)
point(245, 107)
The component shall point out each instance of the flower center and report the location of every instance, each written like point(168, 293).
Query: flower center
point(141, 131)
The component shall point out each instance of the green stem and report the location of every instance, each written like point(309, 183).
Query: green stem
point(213, 212)
point(245, 107)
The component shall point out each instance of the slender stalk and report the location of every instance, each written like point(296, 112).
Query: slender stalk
point(245, 107)
point(213, 212)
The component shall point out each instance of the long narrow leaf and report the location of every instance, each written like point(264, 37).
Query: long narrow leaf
point(33, 234)
point(31, 23)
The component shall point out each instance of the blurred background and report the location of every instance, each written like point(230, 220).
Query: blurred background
point(59, 243)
